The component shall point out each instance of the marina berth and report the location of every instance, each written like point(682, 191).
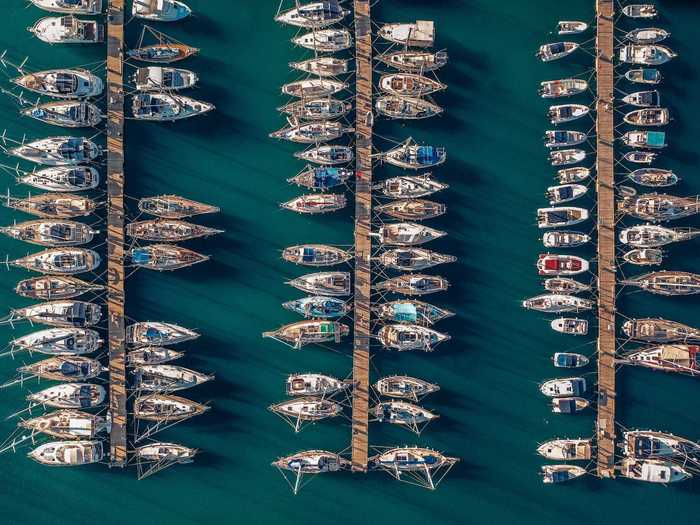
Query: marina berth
point(556, 50)
point(640, 157)
point(564, 157)
point(322, 66)
point(163, 107)
point(414, 61)
point(319, 306)
point(325, 40)
point(321, 178)
point(409, 85)
point(644, 256)
point(314, 385)
point(659, 207)
point(57, 151)
point(68, 453)
point(168, 378)
point(648, 117)
point(409, 186)
point(163, 53)
point(566, 27)
point(312, 462)
point(323, 283)
point(67, 114)
point(62, 83)
point(59, 341)
point(61, 178)
point(561, 473)
point(648, 55)
point(414, 284)
point(168, 230)
point(653, 470)
point(313, 132)
point(411, 311)
point(165, 257)
point(647, 35)
point(67, 424)
point(413, 259)
point(406, 337)
point(569, 325)
point(50, 232)
point(313, 88)
point(551, 264)
point(418, 34)
point(76, 7)
point(412, 209)
point(307, 409)
point(327, 155)
point(404, 387)
point(55, 287)
point(64, 368)
point(410, 155)
point(558, 139)
point(407, 234)
point(68, 30)
point(307, 332)
point(152, 355)
point(666, 282)
point(315, 255)
point(566, 449)
point(653, 177)
point(565, 193)
point(643, 99)
point(316, 203)
point(567, 112)
point(159, 452)
point(174, 207)
point(679, 358)
point(566, 87)
point(565, 285)
point(640, 11)
point(564, 387)
point(564, 239)
point(160, 10)
point(644, 444)
point(70, 396)
point(644, 76)
point(409, 108)
point(78, 314)
point(654, 236)
point(569, 359)
point(402, 413)
point(313, 15)
point(659, 331)
point(151, 333)
point(163, 408)
point(53, 205)
point(557, 303)
point(63, 261)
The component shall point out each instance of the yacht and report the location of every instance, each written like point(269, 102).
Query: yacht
point(414, 61)
point(314, 15)
point(168, 378)
point(67, 114)
point(62, 83)
point(315, 255)
point(315, 203)
point(322, 66)
point(160, 10)
point(413, 259)
point(151, 333)
point(564, 157)
point(64, 368)
point(59, 341)
point(564, 239)
point(569, 359)
point(411, 155)
point(648, 117)
point(68, 453)
point(653, 177)
point(565, 87)
point(313, 132)
point(321, 178)
point(653, 470)
point(564, 387)
point(50, 232)
point(323, 283)
point(63, 261)
point(327, 155)
point(414, 284)
point(62, 314)
point(660, 331)
point(165, 257)
point(565, 193)
point(561, 216)
point(406, 337)
point(407, 234)
point(418, 34)
point(53, 205)
point(647, 35)
point(152, 355)
point(640, 11)
point(325, 40)
point(312, 331)
point(643, 99)
point(569, 325)
point(166, 408)
point(68, 30)
point(313, 88)
point(550, 264)
point(644, 76)
point(163, 53)
point(325, 108)
point(680, 358)
point(314, 385)
point(55, 287)
point(408, 108)
point(168, 230)
point(567, 112)
point(648, 55)
point(404, 387)
point(58, 151)
point(409, 85)
point(75, 7)
point(167, 107)
point(557, 303)
point(566, 449)
point(319, 306)
point(174, 207)
point(70, 396)
point(67, 424)
point(556, 50)
point(157, 78)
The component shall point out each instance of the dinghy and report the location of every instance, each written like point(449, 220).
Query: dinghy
point(565, 87)
point(62, 83)
point(569, 325)
point(557, 303)
point(556, 50)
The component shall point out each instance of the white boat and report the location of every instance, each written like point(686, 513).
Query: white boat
point(411, 155)
point(659, 445)
point(567, 112)
point(565, 193)
point(648, 55)
point(556, 50)
point(557, 303)
point(551, 264)
point(644, 76)
point(313, 88)
point(569, 405)
point(70, 395)
point(640, 157)
point(567, 27)
point(322, 66)
point(159, 452)
point(75, 7)
point(406, 107)
point(677, 358)
point(66, 113)
point(150, 333)
point(58, 151)
point(402, 413)
point(558, 139)
point(167, 107)
point(323, 283)
point(404, 387)
point(152, 355)
point(408, 337)
point(64, 368)
point(569, 325)
point(313, 132)
point(414, 61)
point(62, 261)
point(307, 409)
point(566, 449)
point(411, 459)
point(413, 259)
point(419, 34)
point(68, 453)
point(168, 378)
point(68, 30)
point(643, 99)
point(564, 157)
point(407, 234)
point(160, 10)
point(564, 387)
point(561, 473)
point(325, 108)
point(564, 239)
point(561, 216)
point(62, 83)
point(645, 139)
point(565, 87)
point(410, 186)
point(565, 285)
point(166, 408)
point(655, 236)
point(648, 117)
point(65, 314)
point(409, 84)
point(59, 341)
point(653, 177)
point(50, 232)
point(640, 11)
point(312, 462)
point(314, 15)
point(653, 470)
point(314, 385)
point(572, 175)
point(157, 78)
point(569, 359)
point(647, 35)
point(315, 203)
point(67, 424)
point(325, 40)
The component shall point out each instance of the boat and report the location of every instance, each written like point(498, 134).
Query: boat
point(566, 27)
point(418, 34)
point(322, 66)
point(50, 232)
point(566, 449)
point(644, 76)
point(643, 444)
point(313, 132)
point(67, 424)
point(407, 234)
point(315, 203)
point(76, 7)
point(640, 11)
point(564, 387)
point(409, 84)
point(567, 112)
point(70, 396)
point(157, 78)
point(68, 30)
point(160, 452)
point(164, 107)
point(321, 178)
point(168, 230)
point(402, 413)
point(307, 332)
point(319, 306)
point(408, 108)
point(64, 368)
point(410, 155)
point(52, 205)
point(313, 15)
point(643, 99)
point(314, 385)
point(414, 284)
point(414, 61)
point(644, 256)
point(412, 209)
point(680, 358)
point(551, 264)
point(313, 88)
point(573, 175)
point(557, 139)
point(648, 117)
point(561, 216)
point(556, 50)
point(68, 453)
point(564, 239)
point(411, 459)
point(324, 108)
point(647, 35)
point(565, 193)
point(409, 186)
point(411, 311)
point(59, 341)
point(174, 207)
point(666, 282)
point(57, 151)
point(164, 408)
point(557, 303)
point(160, 10)
point(648, 55)
point(78, 314)
point(659, 207)
point(569, 325)
point(165, 257)
point(653, 470)
point(406, 337)
point(66, 113)
point(323, 283)
point(63, 261)
point(653, 177)
point(152, 355)
point(55, 287)
point(569, 405)
point(659, 331)
point(413, 259)
point(307, 409)
point(565, 87)
point(327, 155)
point(61, 178)
point(312, 462)
point(315, 255)
point(150, 333)
point(163, 53)
point(564, 157)
point(653, 236)
point(168, 378)
point(569, 360)
point(325, 40)
point(62, 83)
point(404, 387)
point(640, 157)
point(565, 285)
point(561, 473)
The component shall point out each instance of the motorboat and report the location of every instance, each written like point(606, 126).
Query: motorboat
point(168, 378)
point(409, 186)
point(551, 264)
point(59, 341)
point(414, 284)
point(564, 387)
point(648, 55)
point(168, 230)
point(174, 207)
point(569, 360)
point(560, 216)
point(158, 78)
point(55, 287)
point(558, 139)
point(654, 236)
point(68, 30)
point(325, 108)
point(307, 409)
point(645, 139)
point(643, 99)
point(312, 331)
point(314, 15)
point(151, 333)
point(570, 325)
point(679, 358)
point(564, 239)
point(647, 35)
point(648, 117)
point(67, 424)
point(64, 368)
point(313, 88)
point(404, 387)
point(327, 155)
point(315, 203)
point(323, 283)
point(565, 285)
point(164, 107)
point(413, 259)
point(53, 205)
point(566, 27)
point(566, 449)
point(644, 256)
point(412, 209)
point(315, 255)
point(62, 83)
point(75, 7)
point(314, 385)
point(165, 408)
point(47, 232)
point(407, 234)
point(565, 193)
point(561, 473)
point(313, 132)
point(312, 462)
point(640, 157)
point(409, 84)
point(653, 470)
point(666, 282)
point(321, 178)
point(402, 413)
point(70, 396)
point(411, 311)
point(557, 303)
point(640, 11)
point(414, 61)
point(408, 108)
point(644, 76)
point(160, 452)
point(319, 306)
point(163, 53)
point(573, 175)
point(325, 40)
point(407, 337)
point(67, 114)
point(643, 444)
point(165, 257)
point(564, 157)
point(567, 112)
point(659, 207)
point(418, 34)
point(556, 50)
point(57, 151)
point(160, 10)
point(68, 453)
point(322, 66)
point(79, 314)
point(411, 459)
point(62, 261)
point(658, 330)
point(564, 87)
point(152, 355)
point(653, 177)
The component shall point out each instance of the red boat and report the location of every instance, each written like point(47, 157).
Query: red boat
point(551, 264)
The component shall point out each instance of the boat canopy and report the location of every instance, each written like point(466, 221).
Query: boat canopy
point(141, 256)
point(405, 312)
point(656, 138)
point(566, 360)
point(427, 155)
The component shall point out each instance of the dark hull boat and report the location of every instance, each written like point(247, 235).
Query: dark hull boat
point(55, 287)
point(164, 257)
point(174, 207)
point(168, 230)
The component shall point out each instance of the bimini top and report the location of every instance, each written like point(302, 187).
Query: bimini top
point(428, 155)
point(566, 360)
point(405, 312)
point(656, 138)
point(141, 256)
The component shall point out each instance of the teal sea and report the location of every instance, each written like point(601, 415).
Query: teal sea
point(492, 415)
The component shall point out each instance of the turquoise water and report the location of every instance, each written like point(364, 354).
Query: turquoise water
point(492, 414)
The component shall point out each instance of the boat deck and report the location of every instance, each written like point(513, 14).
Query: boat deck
point(605, 423)
point(115, 232)
point(363, 241)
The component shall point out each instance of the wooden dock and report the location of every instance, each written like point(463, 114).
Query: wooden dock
point(363, 240)
point(115, 232)
point(605, 164)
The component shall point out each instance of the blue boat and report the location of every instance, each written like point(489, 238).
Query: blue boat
point(318, 306)
point(321, 178)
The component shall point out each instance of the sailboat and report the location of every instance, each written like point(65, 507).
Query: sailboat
point(68, 30)
point(55, 287)
point(76, 7)
point(62, 83)
point(168, 230)
point(164, 257)
point(157, 78)
point(59, 341)
point(164, 107)
point(79, 314)
point(68, 114)
point(46, 232)
point(57, 151)
point(160, 10)
point(312, 331)
point(149, 333)
point(314, 15)
point(53, 205)
point(64, 261)
point(314, 385)
point(70, 396)
point(174, 207)
point(406, 337)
